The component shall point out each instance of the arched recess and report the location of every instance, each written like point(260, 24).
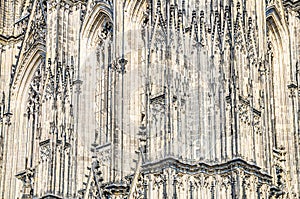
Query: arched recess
point(281, 101)
point(100, 72)
point(19, 144)
point(279, 74)
point(93, 21)
point(136, 10)
point(43, 115)
point(97, 74)
point(96, 64)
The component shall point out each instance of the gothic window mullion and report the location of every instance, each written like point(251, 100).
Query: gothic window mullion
point(32, 115)
point(104, 90)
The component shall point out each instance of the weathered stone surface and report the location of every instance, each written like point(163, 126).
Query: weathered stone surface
point(149, 99)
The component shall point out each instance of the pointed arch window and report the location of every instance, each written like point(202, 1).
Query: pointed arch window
point(104, 75)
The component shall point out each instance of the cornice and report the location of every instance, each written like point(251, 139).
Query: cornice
point(5, 40)
point(293, 4)
point(210, 169)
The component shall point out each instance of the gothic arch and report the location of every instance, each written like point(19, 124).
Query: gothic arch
point(100, 13)
point(95, 66)
point(279, 73)
point(33, 41)
point(276, 25)
point(277, 32)
point(33, 63)
point(30, 64)
point(135, 10)
point(45, 92)
point(19, 101)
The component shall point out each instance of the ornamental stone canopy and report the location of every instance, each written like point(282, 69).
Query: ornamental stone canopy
point(155, 99)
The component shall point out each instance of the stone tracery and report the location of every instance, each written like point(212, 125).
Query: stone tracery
point(195, 103)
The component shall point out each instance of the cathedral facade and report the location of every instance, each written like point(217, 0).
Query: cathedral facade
point(150, 99)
